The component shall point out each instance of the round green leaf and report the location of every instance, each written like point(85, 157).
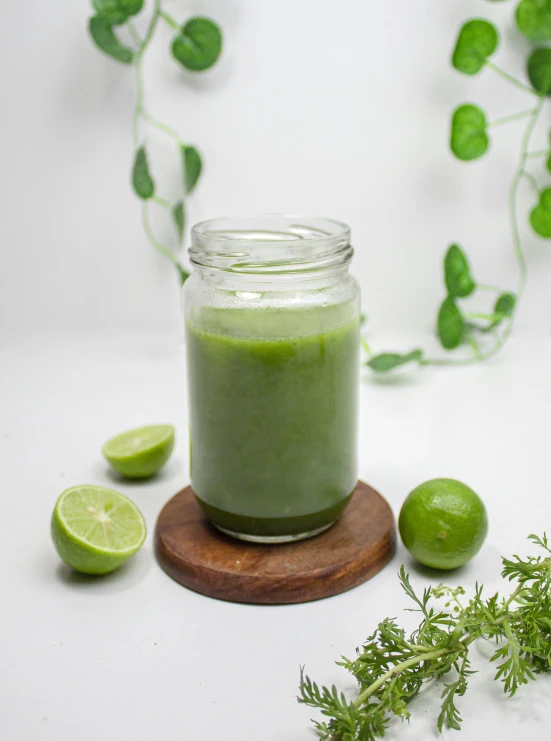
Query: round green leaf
point(199, 44)
point(539, 70)
point(451, 325)
point(192, 167)
point(503, 308)
point(469, 139)
point(117, 12)
point(549, 163)
point(141, 178)
point(534, 19)
point(182, 273)
point(178, 215)
point(104, 38)
point(540, 217)
point(389, 360)
point(505, 304)
point(457, 273)
point(477, 40)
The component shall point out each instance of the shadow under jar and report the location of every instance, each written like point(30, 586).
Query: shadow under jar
point(272, 344)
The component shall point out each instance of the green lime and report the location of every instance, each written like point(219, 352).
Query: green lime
point(443, 523)
point(95, 530)
point(140, 453)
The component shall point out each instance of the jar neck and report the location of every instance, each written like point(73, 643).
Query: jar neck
point(310, 280)
point(271, 250)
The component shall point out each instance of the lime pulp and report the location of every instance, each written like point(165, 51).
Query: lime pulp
point(95, 530)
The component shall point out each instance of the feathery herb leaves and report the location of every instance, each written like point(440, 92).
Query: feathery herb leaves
point(391, 667)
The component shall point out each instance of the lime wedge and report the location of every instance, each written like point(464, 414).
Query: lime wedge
point(140, 453)
point(95, 530)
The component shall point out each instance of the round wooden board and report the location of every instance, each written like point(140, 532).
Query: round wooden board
point(197, 555)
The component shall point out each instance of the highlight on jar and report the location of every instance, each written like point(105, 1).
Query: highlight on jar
point(272, 325)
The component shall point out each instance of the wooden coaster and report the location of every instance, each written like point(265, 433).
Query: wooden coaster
point(197, 555)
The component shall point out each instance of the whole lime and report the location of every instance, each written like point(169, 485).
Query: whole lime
point(443, 523)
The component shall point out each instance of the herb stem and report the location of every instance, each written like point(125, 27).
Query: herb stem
point(539, 153)
point(395, 671)
point(510, 78)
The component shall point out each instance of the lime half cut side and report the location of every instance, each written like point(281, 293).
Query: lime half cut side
point(95, 530)
point(141, 452)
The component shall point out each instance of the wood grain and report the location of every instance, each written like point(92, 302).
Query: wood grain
point(201, 558)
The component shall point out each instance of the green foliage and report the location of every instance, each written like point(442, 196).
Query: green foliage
point(392, 667)
point(192, 166)
point(198, 45)
point(178, 214)
point(102, 33)
point(450, 325)
point(540, 216)
point(141, 177)
point(505, 305)
point(388, 361)
point(534, 19)
point(477, 40)
point(117, 12)
point(469, 139)
point(182, 274)
point(539, 70)
point(457, 273)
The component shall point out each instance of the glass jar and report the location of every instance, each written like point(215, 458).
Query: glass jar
point(272, 343)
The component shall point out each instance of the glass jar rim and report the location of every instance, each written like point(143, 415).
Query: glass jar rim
point(270, 243)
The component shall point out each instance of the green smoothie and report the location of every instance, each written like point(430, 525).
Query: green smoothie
point(273, 417)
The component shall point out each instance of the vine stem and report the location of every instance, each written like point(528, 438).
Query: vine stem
point(140, 113)
point(511, 118)
point(509, 78)
point(521, 171)
point(520, 174)
point(532, 180)
point(170, 20)
point(153, 239)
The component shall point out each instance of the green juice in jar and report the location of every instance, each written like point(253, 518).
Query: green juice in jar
point(273, 399)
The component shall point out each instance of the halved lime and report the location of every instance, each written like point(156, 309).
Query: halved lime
point(95, 530)
point(141, 452)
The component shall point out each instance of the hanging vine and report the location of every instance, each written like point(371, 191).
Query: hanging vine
point(196, 46)
point(484, 334)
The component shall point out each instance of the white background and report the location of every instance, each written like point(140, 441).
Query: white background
point(338, 109)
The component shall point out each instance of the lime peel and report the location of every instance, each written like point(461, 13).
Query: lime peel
point(140, 452)
point(95, 530)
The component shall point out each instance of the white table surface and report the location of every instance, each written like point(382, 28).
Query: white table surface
point(134, 656)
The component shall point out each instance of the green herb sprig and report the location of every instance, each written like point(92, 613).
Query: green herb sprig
point(196, 46)
point(484, 334)
point(392, 667)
